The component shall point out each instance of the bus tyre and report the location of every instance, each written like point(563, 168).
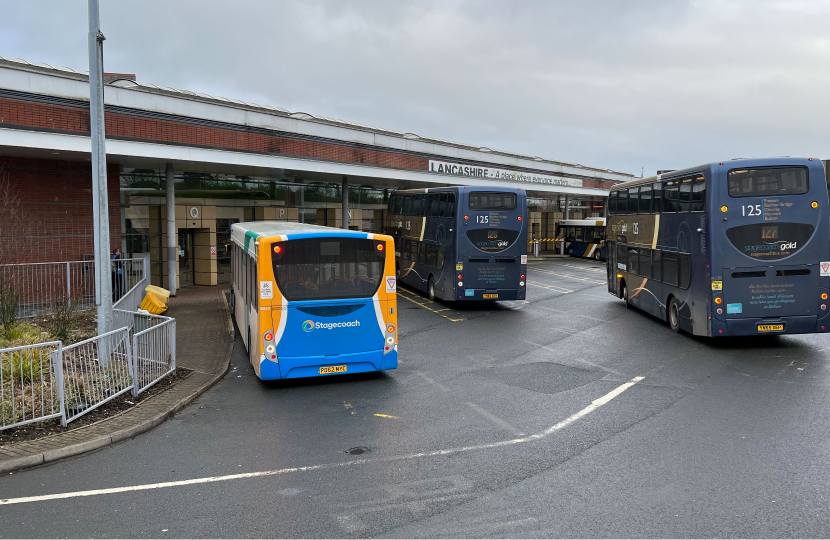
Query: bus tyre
point(431, 289)
point(597, 255)
point(624, 294)
point(674, 315)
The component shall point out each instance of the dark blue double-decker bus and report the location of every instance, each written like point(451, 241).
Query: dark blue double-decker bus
point(733, 248)
point(461, 243)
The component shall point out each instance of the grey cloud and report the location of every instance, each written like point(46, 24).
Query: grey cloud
point(623, 85)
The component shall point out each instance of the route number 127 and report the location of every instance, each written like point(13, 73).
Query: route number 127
point(751, 210)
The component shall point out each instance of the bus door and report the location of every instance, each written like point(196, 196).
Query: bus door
point(611, 267)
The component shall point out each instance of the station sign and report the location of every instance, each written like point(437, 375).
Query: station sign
point(490, 173)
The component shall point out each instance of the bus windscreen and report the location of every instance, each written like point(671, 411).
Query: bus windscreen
point(765, 182)
point(328, 268)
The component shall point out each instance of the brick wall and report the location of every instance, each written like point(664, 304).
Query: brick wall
point(76, 120)
point(56, 204)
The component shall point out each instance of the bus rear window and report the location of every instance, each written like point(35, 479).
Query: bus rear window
point(481, 200)
point(768, 182)
point(328, 268)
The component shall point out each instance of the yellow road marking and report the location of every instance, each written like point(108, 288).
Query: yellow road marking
point(567, 276)
point(425, 306)
point(386, 416)
point(549, 287)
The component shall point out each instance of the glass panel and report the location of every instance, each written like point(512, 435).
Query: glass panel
point(645, 200)
point(671, 196)
point(434, 205)
point(633, 260)
point(418, 203)
point(699, 194)
point(657, 198)
point(768, 181)
point(670, 268)
point(622, 203)
point(685, 194)
point(645, 262)
point(633, 200)
point(328, 268)
point(656, 262)
point(451, 204)
point(406, 210)
point(612, 204)
point(481, 200)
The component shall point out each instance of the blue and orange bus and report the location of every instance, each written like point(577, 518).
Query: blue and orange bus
point(734, 248)
point(311, 300)
point(461, 243)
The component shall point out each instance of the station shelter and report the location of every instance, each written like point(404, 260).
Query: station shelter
point(218, 161)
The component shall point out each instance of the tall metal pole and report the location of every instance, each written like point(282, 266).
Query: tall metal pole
point(172, 236)
point(100, 204)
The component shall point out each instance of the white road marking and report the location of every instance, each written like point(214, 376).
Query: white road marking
point(570, 313)
point(596, 404)
point(432, 381)
point(493, 418)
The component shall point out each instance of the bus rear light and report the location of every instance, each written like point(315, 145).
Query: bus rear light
point(809, 159)
point(720, 331)
point(466, 217)
point(718, 300)
point(824, 296)
point(278, 249)
point(269, 336)
point(459, 276)
point(380, 247)
point(814, 204)
point(269, 349)
point(824, 307)
point(720, 311)
point(521, 284)
point(523, 276)
point(390, 328)
point(724, 209)
point(519, 218)
point(390, 340)
point(273, 357)
point(460, 283)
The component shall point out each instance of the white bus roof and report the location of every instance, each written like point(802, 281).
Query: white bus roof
point(282, 228)
point(600, 221)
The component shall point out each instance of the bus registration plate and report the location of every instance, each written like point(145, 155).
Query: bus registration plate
point(332, 369)
point(770, 327)
point(490, 295)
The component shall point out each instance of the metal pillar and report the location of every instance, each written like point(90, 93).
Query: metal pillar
point(172, 233)
point(345, 203)
point(567, 215)
point(100, 204)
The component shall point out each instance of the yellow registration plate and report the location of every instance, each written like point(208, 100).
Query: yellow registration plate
point(493, 295)
point(332, 369)
point(770, 327)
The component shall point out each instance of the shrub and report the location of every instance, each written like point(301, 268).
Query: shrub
point(65, 317)
point(9, 299)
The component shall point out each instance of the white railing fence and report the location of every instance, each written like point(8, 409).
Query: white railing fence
point(31, 388)
point(133, 282)
point(41, 285)
point(45, 381)
point(95, 371)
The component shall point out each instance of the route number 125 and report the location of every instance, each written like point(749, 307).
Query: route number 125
point(482, 219)
point(751, 210)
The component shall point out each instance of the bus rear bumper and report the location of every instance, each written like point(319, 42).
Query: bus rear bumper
point(294, 367)
point(750, 327)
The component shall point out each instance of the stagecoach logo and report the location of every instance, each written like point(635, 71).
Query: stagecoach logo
point(761, 249)
point(308, 326)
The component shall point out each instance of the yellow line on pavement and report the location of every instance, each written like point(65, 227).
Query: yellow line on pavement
point(567, 276)
point(548, 287)
point(425, 306)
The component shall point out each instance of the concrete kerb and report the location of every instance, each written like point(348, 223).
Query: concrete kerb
point(47, 456)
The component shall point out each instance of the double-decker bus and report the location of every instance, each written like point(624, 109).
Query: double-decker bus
point(733, 248)
point(311, 300)
point(583, 237)
point(461, 243)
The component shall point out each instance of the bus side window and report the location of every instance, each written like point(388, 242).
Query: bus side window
point(418, 205)
point(699, 194)
point(612, 203)
point(622, 252)
point(434, 206)
point(622, 202)
point(407, 205)
point(670, 268)
point(422, 253)
point(656, 265)
point(633, 199)
point(656, 198)
point(685, 194)
point(443, 207)
point(671, 194)
point(633, 260)
point(645, 262)
point(645, 200)
point(391, 207)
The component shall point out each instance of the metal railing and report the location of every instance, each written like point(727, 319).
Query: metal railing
point(41, 285)
point(96, 370)
point(31, 386)
point(154, 352)
point(47, 380)
point(133, 289)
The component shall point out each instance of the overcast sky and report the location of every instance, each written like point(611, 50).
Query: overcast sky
point(625, 85)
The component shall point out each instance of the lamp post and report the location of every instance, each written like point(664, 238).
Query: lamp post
point(100, 204)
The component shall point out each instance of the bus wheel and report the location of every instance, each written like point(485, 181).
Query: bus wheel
point(597, 256)
point(431, 288)
point(674, 315)
point(624, 294)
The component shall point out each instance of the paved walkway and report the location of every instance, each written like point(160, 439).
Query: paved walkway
point(204, 341)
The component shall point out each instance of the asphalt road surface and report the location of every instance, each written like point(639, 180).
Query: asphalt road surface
point(564, 416)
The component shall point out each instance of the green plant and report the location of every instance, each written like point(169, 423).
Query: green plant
point(64, 317)
point(21, 366)
point(9, 300)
